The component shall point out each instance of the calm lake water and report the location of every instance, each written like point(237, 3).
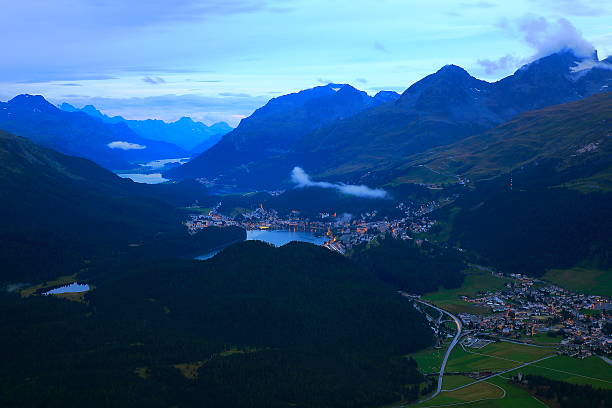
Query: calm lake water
point(158, 164)
point(277, 238)
point(72, 288)
point(152, 170)
point(153, 178)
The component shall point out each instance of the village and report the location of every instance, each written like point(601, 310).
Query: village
point(532, 311)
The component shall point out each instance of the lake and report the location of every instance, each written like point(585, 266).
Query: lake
point(72, 288)
point(151, 171)
point(158, 164)
point(276, 238)
point(280, 238)
point(152, 178)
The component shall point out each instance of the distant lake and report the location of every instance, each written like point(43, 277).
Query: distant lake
point(276, 238)
point(153, 178)
point(150, 173)
point(72, 288)
point(158, 164)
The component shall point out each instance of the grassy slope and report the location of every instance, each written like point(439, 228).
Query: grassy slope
point(585, 280)
point(558, 132)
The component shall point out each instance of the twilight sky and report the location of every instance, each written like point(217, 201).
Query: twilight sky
point(220, 59)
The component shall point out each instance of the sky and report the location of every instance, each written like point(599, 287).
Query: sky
point(218, 60)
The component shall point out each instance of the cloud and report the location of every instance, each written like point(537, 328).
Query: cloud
point(504, 63)
point(121, 13)
point(362, 80)
point(324, 81)
point(236, 95)
point(154, 80)
point(302, 179)
point(589, 64)
point(478, 4)
point(544, 37)
point(344, 218)
point(380, 47)
point(575, 7)
point(125, 146)
point(57, 76)
point(547, 37)
point(69, 84)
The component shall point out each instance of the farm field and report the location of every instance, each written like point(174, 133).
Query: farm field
point(493, 357)
point(589, 281)
point(450, 382)
point(482, 391)
point(475, 281)
point(503, 356)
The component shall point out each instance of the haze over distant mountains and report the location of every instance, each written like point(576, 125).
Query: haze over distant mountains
point(194, 137)
point(114, 146)
point(346, 134)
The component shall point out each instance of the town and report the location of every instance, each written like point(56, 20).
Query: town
point(532, 311)
point(342, 231)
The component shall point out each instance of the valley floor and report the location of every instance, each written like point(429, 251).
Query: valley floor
point(483, 373)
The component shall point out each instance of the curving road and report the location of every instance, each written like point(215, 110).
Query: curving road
point(450, 347)
point(448, 351)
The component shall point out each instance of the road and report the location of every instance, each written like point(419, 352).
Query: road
point(448, 351)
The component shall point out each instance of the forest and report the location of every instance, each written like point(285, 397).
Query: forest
point(403, 264)
point(566, 395)
point(536, 225)
point(295, 325)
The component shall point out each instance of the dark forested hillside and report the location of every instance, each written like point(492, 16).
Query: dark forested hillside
point(58, 211)
point(535, 228)
point(411, 267)
point(296, 325)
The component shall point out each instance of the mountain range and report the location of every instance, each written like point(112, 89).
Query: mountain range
point(315, 130)
point(277, 127)
point(194, 137)
point(114, 146)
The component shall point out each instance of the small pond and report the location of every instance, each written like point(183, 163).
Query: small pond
point(72, 288)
